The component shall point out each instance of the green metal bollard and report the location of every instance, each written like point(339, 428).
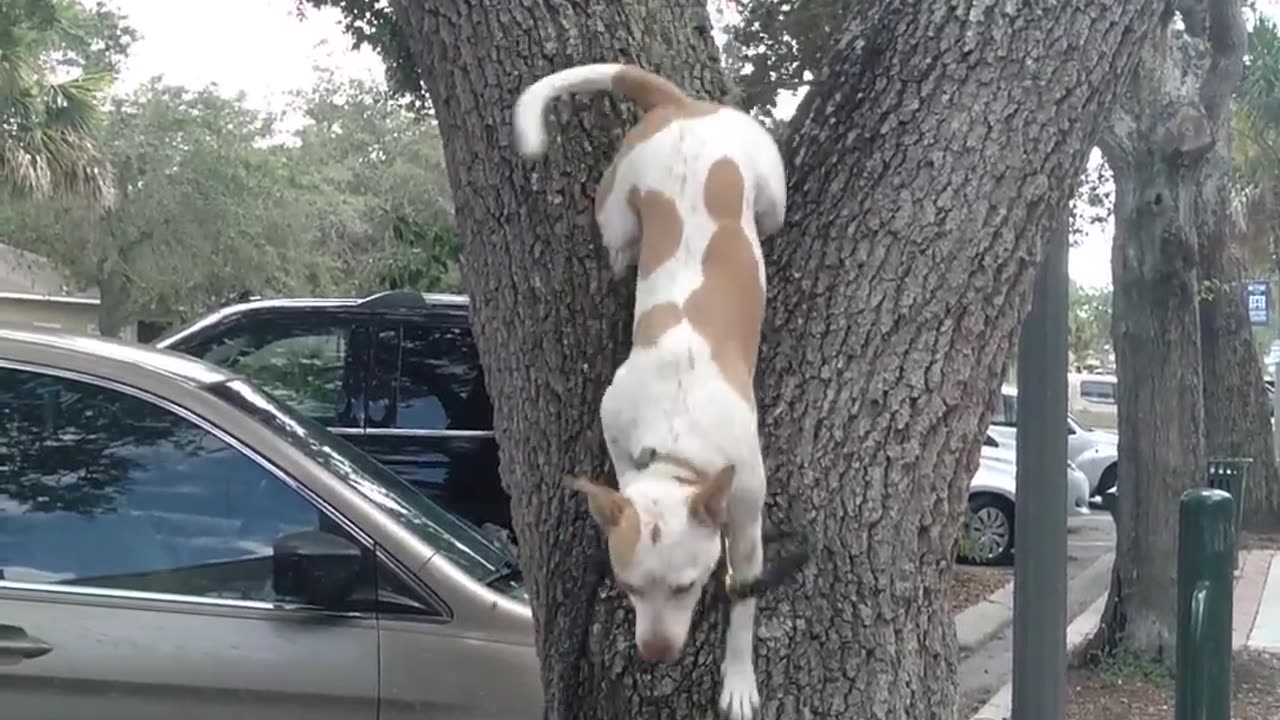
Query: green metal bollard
point(1231, 475)
point(1206, 548)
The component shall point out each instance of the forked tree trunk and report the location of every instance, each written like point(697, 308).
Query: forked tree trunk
point(925, 167)
point(1236, 418)
point(1164, 127)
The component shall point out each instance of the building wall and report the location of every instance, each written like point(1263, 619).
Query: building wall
point(53, 314)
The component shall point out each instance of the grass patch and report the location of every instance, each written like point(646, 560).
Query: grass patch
point(1122, 666)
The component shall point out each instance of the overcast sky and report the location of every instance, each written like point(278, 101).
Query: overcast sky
point(262, 48)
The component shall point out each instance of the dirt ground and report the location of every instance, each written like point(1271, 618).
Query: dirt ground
point(1259, 541)
point(1117, 691)
point(973, 584)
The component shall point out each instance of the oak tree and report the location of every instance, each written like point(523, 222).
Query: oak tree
point(932, 153)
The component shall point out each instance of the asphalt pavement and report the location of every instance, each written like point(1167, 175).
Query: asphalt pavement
point(1090, 547)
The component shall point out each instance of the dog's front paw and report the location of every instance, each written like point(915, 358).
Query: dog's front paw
point(739, 698)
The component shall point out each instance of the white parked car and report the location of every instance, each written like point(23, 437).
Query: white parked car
point(1092, 451)
point(991, 504)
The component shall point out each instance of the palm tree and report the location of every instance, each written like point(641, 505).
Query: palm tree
point(48, 126)
point(1256, 149)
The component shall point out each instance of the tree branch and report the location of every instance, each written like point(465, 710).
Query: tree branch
point(1115, 139)
point(1227, 41)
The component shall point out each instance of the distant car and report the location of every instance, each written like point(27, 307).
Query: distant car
point(992, 492)
point(1092, 399)
point(1094, 452)
point(175, 542)
point(397, 374)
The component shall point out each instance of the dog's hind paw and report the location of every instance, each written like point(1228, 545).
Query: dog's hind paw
point(739, 698)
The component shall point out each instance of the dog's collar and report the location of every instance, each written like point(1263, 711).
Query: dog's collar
point(648, 456)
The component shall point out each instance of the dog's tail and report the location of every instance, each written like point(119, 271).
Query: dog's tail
point(640, 86)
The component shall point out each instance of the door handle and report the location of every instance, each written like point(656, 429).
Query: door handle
point(14, 641)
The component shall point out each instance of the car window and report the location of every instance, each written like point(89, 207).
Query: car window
point(441, 386)
point(457, 539)
point(1098, 391)
point(104, 489)
point(305, 363)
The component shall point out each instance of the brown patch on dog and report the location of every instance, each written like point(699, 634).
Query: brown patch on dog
point(661, 103)
point(654, 323)
point(710, 504)
point(615, 515)
point(661, 228)
point(646, 89)
point(727, 309)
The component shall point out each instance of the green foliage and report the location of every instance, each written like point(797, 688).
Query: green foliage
point(372, 24)
point(211, 204)
point(48, 127)
point(1256, 150)
point(203, 209)
point(781, 46)
point(1121, 666)
point(373, 172)
point(1088, 324)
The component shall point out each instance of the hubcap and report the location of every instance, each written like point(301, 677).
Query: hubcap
point(989, 532)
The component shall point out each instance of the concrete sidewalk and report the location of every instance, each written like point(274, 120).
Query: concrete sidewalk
point(1255, 624)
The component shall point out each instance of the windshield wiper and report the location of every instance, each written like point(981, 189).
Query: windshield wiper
point(509, 570)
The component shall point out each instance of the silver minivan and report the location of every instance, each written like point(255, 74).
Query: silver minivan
point(174, 543)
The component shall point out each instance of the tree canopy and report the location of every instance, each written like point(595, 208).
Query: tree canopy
point(56, 63)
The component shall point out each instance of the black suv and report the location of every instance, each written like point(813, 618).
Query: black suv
point(397, 374)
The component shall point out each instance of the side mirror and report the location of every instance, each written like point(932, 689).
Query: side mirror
point(316, 567)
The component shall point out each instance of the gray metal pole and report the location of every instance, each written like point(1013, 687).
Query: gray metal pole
point(1040, 514)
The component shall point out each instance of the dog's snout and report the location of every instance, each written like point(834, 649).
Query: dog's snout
point(659, 650)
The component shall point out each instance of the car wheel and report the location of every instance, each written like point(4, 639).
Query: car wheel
point(989, 530)
point(1107, 481)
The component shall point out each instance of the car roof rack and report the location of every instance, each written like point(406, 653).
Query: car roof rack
point(392, 299)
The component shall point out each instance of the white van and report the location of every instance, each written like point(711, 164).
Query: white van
point(1092, 399)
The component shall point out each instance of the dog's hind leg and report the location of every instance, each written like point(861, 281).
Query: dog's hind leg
point(770, 199)
point(618, 221)
point(739, 696)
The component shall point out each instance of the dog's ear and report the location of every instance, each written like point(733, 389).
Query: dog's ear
point(608, 506)
point(710, 504)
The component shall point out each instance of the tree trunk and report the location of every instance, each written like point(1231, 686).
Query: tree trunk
point(925, 168)
point(1236, 405)
point(551, 323)
point(1163, 129)
point(113, 300)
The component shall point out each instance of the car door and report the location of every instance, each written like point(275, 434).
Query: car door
point(136, 572)
point(429, 417)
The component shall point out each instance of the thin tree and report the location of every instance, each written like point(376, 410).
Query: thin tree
point(1158, 144)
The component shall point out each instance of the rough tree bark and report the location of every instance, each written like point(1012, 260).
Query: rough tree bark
point(925, 165)
point(1236, 404)
point(1161, 133)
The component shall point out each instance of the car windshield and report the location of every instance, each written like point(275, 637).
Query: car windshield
point(1076, 420)
point(456, 538)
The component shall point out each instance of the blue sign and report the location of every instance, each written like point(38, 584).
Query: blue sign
point(1258, 299)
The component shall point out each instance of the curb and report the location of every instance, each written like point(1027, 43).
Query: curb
point(1265, 633)
point(978, 624)
point(981, 623)
point(1250, 581)
point(1000, 706)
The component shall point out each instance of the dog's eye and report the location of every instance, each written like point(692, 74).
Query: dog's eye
point(682, 589)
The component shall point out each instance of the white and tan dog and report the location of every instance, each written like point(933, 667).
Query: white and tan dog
point(687, 199)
